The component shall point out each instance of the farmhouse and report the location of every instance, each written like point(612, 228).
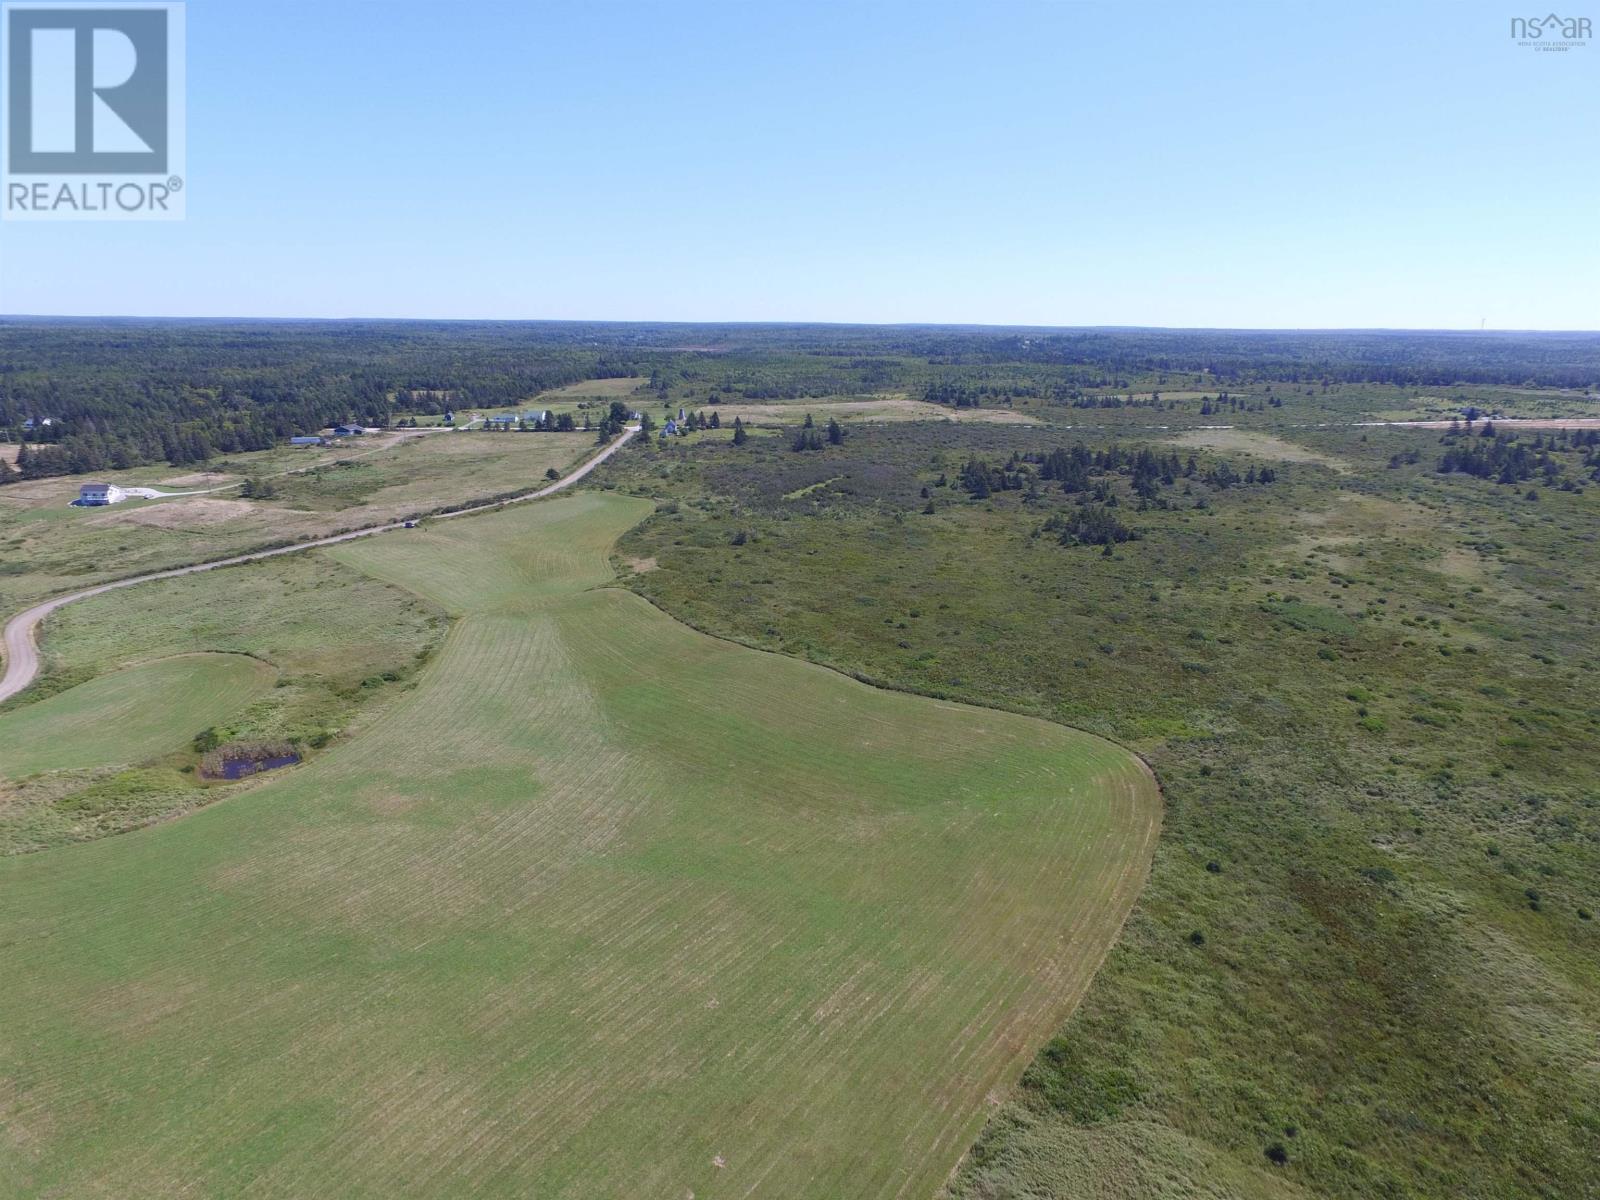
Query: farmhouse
point(94, 494)
point(305, 441)
point(348, 430)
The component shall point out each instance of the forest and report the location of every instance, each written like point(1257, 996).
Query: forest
point(92, 395)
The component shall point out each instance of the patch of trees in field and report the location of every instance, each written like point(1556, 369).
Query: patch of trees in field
point(809, 438)
point(1508, 458)
point(1097, 479)
point(1089, 525)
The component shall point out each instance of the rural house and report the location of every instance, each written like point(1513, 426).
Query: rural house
point(95, 494)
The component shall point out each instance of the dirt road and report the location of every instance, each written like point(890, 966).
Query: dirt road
point(21, 640)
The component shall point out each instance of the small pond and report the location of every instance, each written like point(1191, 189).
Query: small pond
point(238, 768)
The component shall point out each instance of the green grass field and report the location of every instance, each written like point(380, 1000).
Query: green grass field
point(597, 389)
point(342, 646)
point(129, 715)
point(605, 907)
point(47, 546)
point(1368, 690)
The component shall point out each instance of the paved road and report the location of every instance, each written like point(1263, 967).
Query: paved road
point(21, 644)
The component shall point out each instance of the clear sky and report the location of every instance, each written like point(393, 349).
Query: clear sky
point(1188, 164)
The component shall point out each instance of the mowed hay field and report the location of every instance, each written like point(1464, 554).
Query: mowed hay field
point(605, 908)
point(867, 409)
point(129, 715)
point(597, 389)
point(47, 546)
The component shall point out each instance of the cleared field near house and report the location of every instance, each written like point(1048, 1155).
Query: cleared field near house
point(869, 408)
point(129, 715)
point(605, 908)
point(47, 546)
point(603, 389)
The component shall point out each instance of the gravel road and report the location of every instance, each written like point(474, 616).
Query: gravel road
point(21, 632)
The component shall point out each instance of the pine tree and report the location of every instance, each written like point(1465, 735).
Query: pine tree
point(740, 437)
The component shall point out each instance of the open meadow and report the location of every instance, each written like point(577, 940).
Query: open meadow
point(569, 898)
point(604, 907)
point(1365, 962)
point(105, 739)
point(128, 715)
point(47, 546)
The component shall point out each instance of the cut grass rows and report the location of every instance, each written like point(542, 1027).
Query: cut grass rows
point(129, 715)
point(604, 908)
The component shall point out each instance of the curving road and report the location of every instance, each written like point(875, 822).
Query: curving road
point(21, 640)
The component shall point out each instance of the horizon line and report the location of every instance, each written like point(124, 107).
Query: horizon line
point(800, 323)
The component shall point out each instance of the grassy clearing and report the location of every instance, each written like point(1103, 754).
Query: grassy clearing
point(1371, 700)
point(1256, 444)
point(47, 547)
point(868, 410)
point(341, 645)
point(603, 908)
point(129, 715)
point(597, 389)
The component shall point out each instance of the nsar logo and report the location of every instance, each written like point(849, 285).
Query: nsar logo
point(1551, 32)
point(94, 111)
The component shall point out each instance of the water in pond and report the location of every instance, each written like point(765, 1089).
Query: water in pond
point(238, 768)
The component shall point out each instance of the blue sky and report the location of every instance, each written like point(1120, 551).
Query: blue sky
point(1183, 164)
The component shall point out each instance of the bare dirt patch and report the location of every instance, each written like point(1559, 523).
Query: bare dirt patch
point(879, 409)
point(641, 566)
point(1507, 423)
point(1459, 563)
point(198, 512)
point(1261, 445)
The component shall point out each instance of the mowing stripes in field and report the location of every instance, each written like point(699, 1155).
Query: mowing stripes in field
point(604, 908)
point(129, 715)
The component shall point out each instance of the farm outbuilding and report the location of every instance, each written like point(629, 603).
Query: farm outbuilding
point(348, 430)
point(96, 494)
point(305, 441)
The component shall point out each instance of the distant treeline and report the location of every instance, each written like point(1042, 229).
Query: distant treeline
point(90, 395)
